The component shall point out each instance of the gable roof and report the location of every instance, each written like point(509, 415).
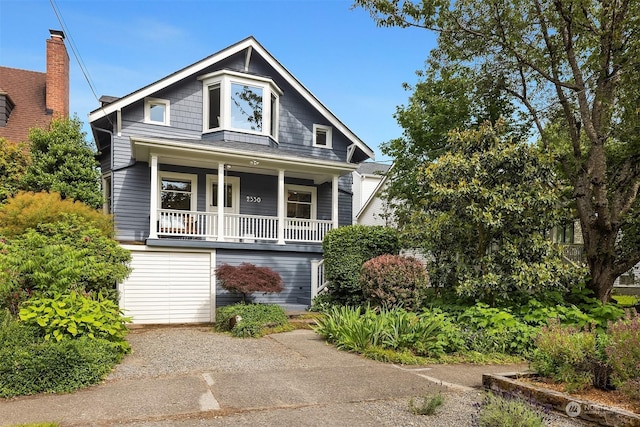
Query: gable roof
point(249, 42)
point(375, 194)
point(27, 92)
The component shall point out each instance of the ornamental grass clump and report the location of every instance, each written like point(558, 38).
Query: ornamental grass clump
point(394, 281)
point(247, 278)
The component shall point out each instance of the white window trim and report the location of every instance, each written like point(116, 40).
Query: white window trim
point(306, 189)
point(225, 79)
point(148, 102)
point(107, 177)
point(184, 176)
point(328, 130)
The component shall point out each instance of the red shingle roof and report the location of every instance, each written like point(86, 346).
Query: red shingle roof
point(27, 91)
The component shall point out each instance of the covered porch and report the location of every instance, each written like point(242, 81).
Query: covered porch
point(262, 196)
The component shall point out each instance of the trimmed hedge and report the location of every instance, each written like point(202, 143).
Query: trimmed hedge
point(346, 249)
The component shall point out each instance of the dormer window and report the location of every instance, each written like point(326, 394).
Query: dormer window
point(322, 136)
point(240, 102)
point(156, 111)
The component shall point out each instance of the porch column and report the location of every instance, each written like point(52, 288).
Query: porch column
point(153, 206)
point(220, 202)
point(281, 206)
point(334, 201)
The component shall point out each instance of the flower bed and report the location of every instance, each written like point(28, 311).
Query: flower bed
point(574, 406)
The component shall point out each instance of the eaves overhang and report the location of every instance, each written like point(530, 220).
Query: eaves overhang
point(197, 154)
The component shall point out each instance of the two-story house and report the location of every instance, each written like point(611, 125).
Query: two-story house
point(228, 160)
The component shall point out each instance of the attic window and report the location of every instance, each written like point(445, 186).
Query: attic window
point(6, 106)
point(322, 136)
point(156, 111)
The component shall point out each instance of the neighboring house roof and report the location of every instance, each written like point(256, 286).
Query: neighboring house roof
point(373, 168)
point(26, 89)
point(248, 43)
point(376, 192)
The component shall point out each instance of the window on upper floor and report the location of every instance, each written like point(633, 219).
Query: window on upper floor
point(322, 136)
point(156, 111)
point(106, 193)
point(301, 202)
point(236, 101)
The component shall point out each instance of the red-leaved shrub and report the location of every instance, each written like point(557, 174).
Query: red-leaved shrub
point(623, 353)
point(247, 278)
point(394, 281)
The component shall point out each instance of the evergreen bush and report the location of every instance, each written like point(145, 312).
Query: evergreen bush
point(346, 249)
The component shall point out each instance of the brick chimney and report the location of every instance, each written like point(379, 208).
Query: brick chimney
point(57, 86)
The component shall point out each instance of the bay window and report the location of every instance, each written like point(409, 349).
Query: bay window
point(240, 102)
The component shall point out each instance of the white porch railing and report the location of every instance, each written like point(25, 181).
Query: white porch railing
point(306, 230)
point(238, 227)
point(318, 283)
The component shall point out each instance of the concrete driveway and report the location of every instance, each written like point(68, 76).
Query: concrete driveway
point(189, 376)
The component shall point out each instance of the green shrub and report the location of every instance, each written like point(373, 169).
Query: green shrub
point(492, 330)
point(73, 316)
point(58, 257)
point(255, 319)
point(247, 278)
point(27, 210)
point(346, 249)
point(498, 411)
point(566, 354)
point(623, 353)
point(394, 281)
point(52, 366)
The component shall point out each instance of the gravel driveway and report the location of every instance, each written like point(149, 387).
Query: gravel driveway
point(166, 352)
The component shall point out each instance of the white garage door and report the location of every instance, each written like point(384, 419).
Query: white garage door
point(168, 287)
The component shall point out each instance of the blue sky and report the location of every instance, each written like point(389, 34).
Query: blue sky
point(355, 68)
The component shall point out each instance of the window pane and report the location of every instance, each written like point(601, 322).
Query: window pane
point(321, 137)
point(297, 210)
point(274, 119)
point(175, 200)
point(228, 201)
point(214, 107)
point(299, 196)
point(176, 184)
point(246, 107)
point(156, 112)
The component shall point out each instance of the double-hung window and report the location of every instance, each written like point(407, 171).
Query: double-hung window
point(178, 191)
point(240, 102)
point(301, 202)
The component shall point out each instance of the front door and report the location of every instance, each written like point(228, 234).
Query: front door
point(231, 202)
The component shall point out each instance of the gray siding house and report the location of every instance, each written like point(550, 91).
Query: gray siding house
point(228, 160)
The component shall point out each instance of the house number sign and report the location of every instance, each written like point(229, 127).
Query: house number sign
point(254, 199)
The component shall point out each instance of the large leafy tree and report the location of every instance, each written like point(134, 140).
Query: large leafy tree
point(63, 161)
point(572, 66)
point(487, 204)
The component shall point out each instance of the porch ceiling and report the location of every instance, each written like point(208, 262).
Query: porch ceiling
point(208, 157)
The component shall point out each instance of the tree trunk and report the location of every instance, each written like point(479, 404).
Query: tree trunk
point(599, 248)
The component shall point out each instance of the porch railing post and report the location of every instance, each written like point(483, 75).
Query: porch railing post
point(221, 230)
point(281, 207)
point(153, 205)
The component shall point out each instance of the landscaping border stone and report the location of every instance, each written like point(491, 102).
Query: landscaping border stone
point(587, 410)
